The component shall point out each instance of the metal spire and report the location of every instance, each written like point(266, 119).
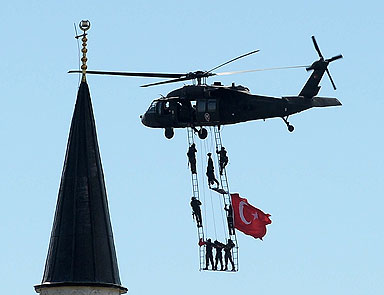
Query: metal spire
point(84, 25)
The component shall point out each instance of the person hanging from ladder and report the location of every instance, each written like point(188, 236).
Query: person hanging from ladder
point(211, 172)
point(208, 253)
point(196, 211)
point(229, 210)
point(223, 159)
point(228, 254)
point(219, 255)
point(191, 154)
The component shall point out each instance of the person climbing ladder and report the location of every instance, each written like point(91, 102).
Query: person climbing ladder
point(223, 159)
point(196, 211)
point(191, 154)
point(211, 172)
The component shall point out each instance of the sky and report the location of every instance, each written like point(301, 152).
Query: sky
point(322, 184)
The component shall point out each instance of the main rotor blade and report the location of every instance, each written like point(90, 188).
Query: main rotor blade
point(236, 58)
point(317, 47)
point(131, 74)
point(330, 78)
point(166, 82)
point(334, 58)
point(259, 70)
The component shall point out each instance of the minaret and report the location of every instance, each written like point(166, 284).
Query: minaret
point(81, 257)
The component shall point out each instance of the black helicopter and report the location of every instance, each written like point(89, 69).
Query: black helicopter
point(214, 105)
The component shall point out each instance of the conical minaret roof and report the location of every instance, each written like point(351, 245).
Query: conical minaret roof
point(81, 250)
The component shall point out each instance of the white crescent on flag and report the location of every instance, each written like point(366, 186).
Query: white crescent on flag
point(241, 211)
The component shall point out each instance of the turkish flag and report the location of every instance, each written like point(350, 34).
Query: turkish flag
point(249, 219)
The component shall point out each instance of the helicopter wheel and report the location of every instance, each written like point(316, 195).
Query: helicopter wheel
point(169, 133)
point(291, 128)
point(202, 133)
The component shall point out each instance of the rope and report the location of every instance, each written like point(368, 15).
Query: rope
point(207, 148)
point(211, 144)
point(221, 201)
point(203, 191)
point(213, 215)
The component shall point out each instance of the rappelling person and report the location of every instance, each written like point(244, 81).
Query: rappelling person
point(219, 255)
point(228, 255)
point(229, 210)
point(191, 154)
point(223, 159)
point(211, 172)
point(208, 253)
point(196, 211)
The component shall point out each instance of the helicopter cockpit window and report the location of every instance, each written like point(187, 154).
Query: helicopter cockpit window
point(160, 106)
point(152, 107)
point(211, 105)
point(201, 106)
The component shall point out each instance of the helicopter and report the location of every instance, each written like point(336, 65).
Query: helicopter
point(200, 105)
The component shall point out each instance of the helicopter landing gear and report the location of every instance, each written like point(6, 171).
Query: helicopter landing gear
point(202, 133)
point(290, 127)
point(169, 133)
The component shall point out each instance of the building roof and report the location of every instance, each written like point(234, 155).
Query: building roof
point(81, 249)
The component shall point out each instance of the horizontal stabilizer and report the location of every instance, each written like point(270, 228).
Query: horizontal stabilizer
point(325, 101)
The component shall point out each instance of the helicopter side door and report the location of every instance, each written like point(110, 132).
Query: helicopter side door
point(207, 111)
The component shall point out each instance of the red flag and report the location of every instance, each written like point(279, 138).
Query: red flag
point(248, 219)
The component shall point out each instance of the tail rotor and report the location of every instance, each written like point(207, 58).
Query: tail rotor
point(323, 63)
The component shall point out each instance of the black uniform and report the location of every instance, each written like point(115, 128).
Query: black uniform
point(211, 172)
point(228, 255)
point(223, 159)
point(219, 255)
point(208, 254)
point(229, 210)
point(195, 204)
point(192, 158)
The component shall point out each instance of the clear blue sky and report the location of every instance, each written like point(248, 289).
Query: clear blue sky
point(322, 184)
